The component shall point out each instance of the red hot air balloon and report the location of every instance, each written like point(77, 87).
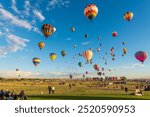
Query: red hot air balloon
point(114, 34)
point(86, 72)
point(141, 56)
point(96, 67)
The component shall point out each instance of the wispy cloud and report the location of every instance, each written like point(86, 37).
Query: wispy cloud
point(38, 14)
point(27, 7)
point(68, 39)
point(13, 6)
point(86, 43)
point(1, 6)
point(57, 3)
point(15, 43)
point(138, 65)
point(9, 17)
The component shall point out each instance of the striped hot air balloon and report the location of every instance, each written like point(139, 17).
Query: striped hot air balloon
point(91, 11)
point(36, 61)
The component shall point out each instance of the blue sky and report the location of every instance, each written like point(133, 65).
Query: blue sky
point(20, 32)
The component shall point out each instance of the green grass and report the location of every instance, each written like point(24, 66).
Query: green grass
point(84, 90)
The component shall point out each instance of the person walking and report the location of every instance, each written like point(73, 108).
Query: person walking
point(126, 90)
point(69, 86)
point(49, 89)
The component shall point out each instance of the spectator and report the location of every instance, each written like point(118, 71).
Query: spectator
point(53, 90)
point(49, 89)
point(126, 90)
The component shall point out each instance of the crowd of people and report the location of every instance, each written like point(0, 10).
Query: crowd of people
point(7, 95)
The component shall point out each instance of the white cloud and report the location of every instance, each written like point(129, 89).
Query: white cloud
point(1, 6)
point(27, 7)
point(15, 44)
point(8, 17)
point(86, 43)
point(138, 65)
point(57, 3)
point(68, 39)
point(38, 15)
point(13, 6)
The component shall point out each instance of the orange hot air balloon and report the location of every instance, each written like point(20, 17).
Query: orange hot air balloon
point(41, 45)
point(88, 54)
point(91, 11)
point(124, 51)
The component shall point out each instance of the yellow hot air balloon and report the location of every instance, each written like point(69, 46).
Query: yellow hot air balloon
point(128, 16)
point(124, 51)
point(41, 45)
point(91, 11)
point(53, 56)
point(88, 54)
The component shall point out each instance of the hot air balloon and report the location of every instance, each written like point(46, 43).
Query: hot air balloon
point(124, 51)
point(88, 55)
point(128, 16)
point(99, 73)
point(96, 67)
point(100, 44)
point(123, 43)
point(103, 69)
point(71, 76)
point(53, 56)
point(114, 34)
point(91, 11)
point(80, 64)
point(86, 35)
point(74, 45)
point(99, 38)
point(83, 76)
point(80, 54)
point(113, 59)
point(17, 70)
point(141, 56)
point(36, 61)
point(41, 45)
point(48, 30)
point(63, 53)
point(86, 72)
point(72, 29)
point(98, 49)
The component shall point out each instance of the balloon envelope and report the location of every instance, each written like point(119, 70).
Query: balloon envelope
point(141, 56)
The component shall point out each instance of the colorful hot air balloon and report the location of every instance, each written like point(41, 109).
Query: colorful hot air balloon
point(99, 38)
point(96, 67)
point(41, 45)
point(48, 30)
point(88, 54)
point(80, 64)
point(36, 61)
point(114, 34)
point(72, 29)
point(124, 51)
point(128, 16)
point(53, 56)
point(141, 56)
point(86, 72)
point(63, 53)
point(91, 11)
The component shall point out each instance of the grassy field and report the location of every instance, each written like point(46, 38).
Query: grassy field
point(83, 90)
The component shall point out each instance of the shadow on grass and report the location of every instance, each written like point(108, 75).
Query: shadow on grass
point(60, 97)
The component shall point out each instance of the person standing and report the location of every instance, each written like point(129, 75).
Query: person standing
point(126, 90)
point(69, 86)
point(49, 89)
point(53, 90)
